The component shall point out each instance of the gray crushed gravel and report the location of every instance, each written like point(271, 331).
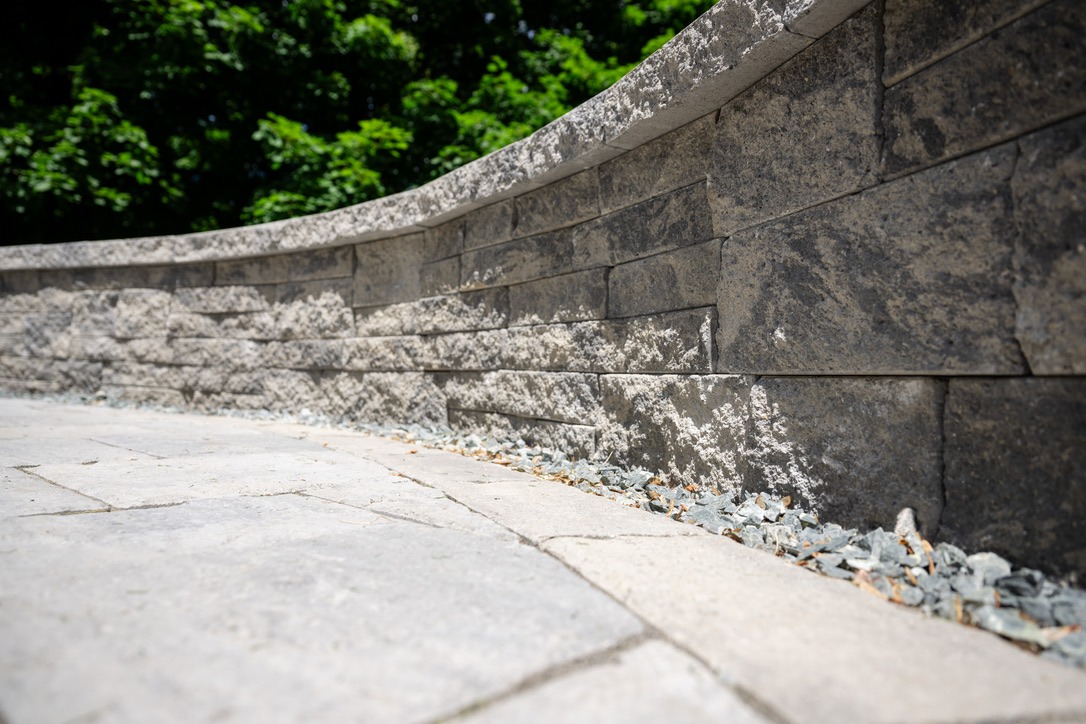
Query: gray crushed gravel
point(982, 589)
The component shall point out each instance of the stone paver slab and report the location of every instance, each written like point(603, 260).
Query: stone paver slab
point(23, 494)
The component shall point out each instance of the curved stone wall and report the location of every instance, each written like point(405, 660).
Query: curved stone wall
point(830, 248)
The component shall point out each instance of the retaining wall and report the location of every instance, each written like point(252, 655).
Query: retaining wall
point(843, 260)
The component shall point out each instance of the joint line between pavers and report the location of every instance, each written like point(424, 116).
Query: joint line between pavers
point(127, 449)
point(379, 514)
point(29, 470)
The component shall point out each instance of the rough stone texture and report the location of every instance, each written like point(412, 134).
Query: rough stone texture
point(309, 354)
point(692, 428)
point(19, 282)
point(568, 298)
point(381, 353)
point(913, 276)
point(392, 397)
point(1016, 470)
point(557, 205)
point(1050, 285)
point(674, 160)
point(804, 134)
point(439, 277)
point(120, 277)
point(308, 266)
point(577, 441)
point(444, 241)
point(856, 450)
point(921, 32)
point(218, 300)
point(557, 396)
point(517, 261)
point(388, 271)
point(680, 218)
point(814, 19)
point(677, 279)
point(484, 309)
point(671, 342)
point(1030, 73)
point(489, 225)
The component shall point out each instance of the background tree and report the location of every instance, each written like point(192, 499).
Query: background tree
point(134, 117)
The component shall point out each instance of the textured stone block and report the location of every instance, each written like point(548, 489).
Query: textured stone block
point(484, 309)
point(222, 300)
point(1016, 470)
point(11, 324)
point(558, 204)
point(170, 276)
point(323, 317)
point(679, 218)
point(444, 241)
point(371, 354)
point(12, 345)
point(489, 225)
point(577, 441)
point(48, 334)
point(232, 353)
point(19, 282)
point(567, 298)
point(557, 396)
point(803, 134)
point(517, 261)
point(1049, 186)
point(690, 428)
point(388, 270)
point(258, 270)
point(921, 32)
point(670, 162)
point(439, 277)
point(100, 349)
point(145, 396)
point(141, 313)
point(671, 342)
point(1030, 73)
point(912, 276)
point(856, 450)
point(336, 291)
point(294, 391)
point(309, 354)
point(387, 397)
point(678, 279)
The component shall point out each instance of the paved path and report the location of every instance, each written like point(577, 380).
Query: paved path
point(158, 567)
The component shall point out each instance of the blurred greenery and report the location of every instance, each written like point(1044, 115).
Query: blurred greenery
point(135, 117)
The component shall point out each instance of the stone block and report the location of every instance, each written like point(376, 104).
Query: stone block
point(1016, 470)
point(12, 345)
point(388, 270)
point(256, 270)
point(232, 353)
point(372, 354)
point(385, 397)
point(483, 309)
point(439, 277)
point(314, 264)
point(678, 279)
point(913, 276)
point(294, 391)
point(224, 300)
point(308, 354)
point(333, 290)
point(567, 298)
point(170, 276)
point(48, 334)
point(99, 349)
point(19, 282)
point(855, 450)
point(442, 242)
point(577, 441)
point(141, 313)
point(670, 162)
point(690, 428)
point(313, 316)
point(804, 134)
point(557, 205)
point(1028, 74)
point(517, 261)
point(12, 324)
point(558, 396)
point(145, 396)
point(676, 219)
point(489, 225)
point(921, 32)
point(1049, 187)
point(815, 18)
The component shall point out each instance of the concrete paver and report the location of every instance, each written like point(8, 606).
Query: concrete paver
point(237, 570)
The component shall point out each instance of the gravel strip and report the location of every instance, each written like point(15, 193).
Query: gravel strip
point(1022, 605)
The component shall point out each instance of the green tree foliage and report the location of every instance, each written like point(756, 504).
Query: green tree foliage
point(131, 117)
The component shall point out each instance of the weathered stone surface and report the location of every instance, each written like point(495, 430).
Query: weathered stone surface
point(183, 378)
point(483, 309)
point(381, 353)
point(257, 270)
point(220, 300)
point(141, 313)
point(567, 298)
point(912, 276)
point(309, 354)
point(130, 277)
point(12, 344)
point(24, 494)
point(294, 390)
point(444, 241)
point(921, 32)
point(388, 270)
point(1016, 470)
point(145, 396)
point(578, 441)
point(814, 19)
point(558, 204)
point(691, 428)
point(1028, 74)
point(19, 282)
point(517, 261)
point(557, 396)
point(317, 290)
point(389, 397)
point(804, 134)
point(674, 160)
point(235, 353)
point(1049, 187)
point(439, 277)
point(48, 334)
point(323, 317)
point(489, 225)
point(671, 342)
point(253, 325)
point(677, 279)
point(855, 450)
point(679, 218)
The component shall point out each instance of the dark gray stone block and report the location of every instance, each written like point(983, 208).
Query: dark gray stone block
point(444, 241)
point(489, 225)
point(557, 205)
point(678, 279)
point(439, 277)
point(567, 298)
point(516, 261)
point(388, 271)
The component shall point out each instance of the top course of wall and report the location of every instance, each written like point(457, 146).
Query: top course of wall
point(721, 54)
